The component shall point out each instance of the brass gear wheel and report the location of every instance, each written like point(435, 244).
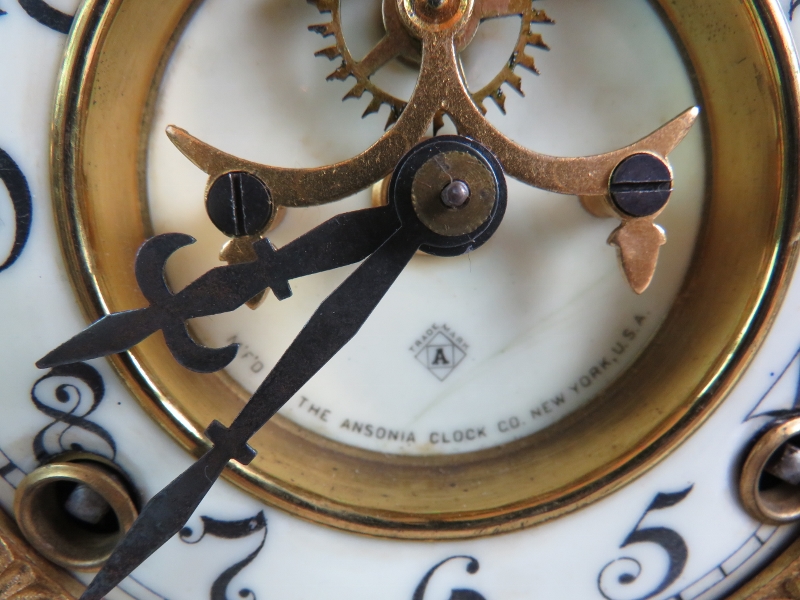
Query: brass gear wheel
point(397, 42)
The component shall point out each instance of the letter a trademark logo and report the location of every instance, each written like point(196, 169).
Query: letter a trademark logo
point(441, 354)
point(440, 359)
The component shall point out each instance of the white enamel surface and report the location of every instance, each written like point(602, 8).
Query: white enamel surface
point(559, 560)
point(537, 321)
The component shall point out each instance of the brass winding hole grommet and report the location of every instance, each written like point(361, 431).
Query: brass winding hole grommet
point(769, 482)
point(75, 511)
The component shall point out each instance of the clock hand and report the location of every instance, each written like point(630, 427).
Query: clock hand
point(430, 219)
point(334, 323)
point(342, 240)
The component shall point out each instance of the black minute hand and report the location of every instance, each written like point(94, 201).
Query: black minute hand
point(334, 323)
point(449, 195)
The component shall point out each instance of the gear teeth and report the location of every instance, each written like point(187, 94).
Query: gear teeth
point(536, 40)
point(330, 53)
point(324, 29)
point(342, 73)
point(526, 62)
point(438, 121)
point(499, 98)
point(373, 106)
point(394, 113)
point(356, 91)
point(515, 81)
point(537, 16)
point(350, 68)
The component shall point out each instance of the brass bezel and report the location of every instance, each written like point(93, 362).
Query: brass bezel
point(746, 72)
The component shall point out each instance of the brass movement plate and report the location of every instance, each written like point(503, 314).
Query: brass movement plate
point(740, 54)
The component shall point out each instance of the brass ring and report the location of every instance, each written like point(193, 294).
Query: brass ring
point(742, 262)
point(60, 537)
point(779, 502)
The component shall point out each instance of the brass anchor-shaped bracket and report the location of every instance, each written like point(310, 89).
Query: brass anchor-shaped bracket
point(639, 242)
point(638, 190)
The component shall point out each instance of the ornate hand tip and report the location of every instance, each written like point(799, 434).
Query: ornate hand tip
point(109, 335)
point(639, 242)
point(56, 358)
point(45, 362)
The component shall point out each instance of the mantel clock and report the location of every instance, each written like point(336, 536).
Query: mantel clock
point(516, 319)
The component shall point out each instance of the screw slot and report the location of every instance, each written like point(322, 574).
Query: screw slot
point(641, 185)
point(75, 510)
point(239, 204)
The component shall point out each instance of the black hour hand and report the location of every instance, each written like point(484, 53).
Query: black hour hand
point(342, 240)
point(459, 197)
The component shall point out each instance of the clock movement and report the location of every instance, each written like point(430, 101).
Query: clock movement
point(516, 319)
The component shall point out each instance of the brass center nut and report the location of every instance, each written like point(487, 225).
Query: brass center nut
point(435, 11)
point(421, 16)
point(438, 173)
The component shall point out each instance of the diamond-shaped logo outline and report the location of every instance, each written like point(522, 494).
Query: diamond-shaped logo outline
point(441, 355)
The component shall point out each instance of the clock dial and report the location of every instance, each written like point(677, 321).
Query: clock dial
point(544, 298)
point(403, 494)
point(676, 531)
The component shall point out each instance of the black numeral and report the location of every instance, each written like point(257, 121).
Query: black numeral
point(230, 530)
point(617, 577)
point(17, 187)
point(68, 394)
point(47, 15)
point(793, 4)
point(455, 594)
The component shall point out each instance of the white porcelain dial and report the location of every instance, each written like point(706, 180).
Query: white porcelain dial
point(464, 353)
point(678, 531)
